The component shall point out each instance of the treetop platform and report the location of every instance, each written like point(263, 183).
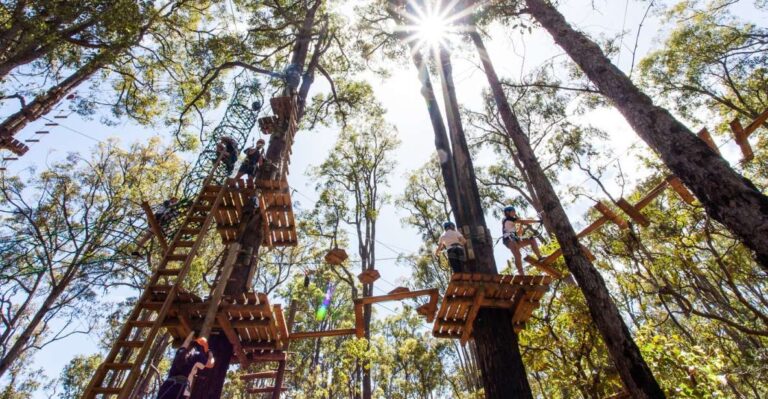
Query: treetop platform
point(256, 329)
point(467, 293)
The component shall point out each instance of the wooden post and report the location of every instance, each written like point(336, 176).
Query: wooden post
point(704, 135)
point(154, 225)
point(742, 139)
point(610, 214)
point(218, 291)
point(633, 212)
point(681, 190)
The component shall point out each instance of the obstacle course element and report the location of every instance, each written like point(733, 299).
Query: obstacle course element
point(467, 293)
point(336, 256)
point(631, 210)
point(369, 276)
point(427, 310)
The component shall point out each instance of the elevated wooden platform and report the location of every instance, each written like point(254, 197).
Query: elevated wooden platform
point(256, 329)
point(467, 293)
point(275, 201)
point(398, 294)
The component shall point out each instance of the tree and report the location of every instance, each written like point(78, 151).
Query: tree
point(76, 375)
point(711, 62)
point(635, 373)
point(728, 197)
point(357, 168)
point(65, 227)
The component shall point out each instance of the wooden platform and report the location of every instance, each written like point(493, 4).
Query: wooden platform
point(256, 329)
point(467, 293)
point(275, 201)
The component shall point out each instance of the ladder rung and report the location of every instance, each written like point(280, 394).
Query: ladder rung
point(197, 219)
point(184, 244)
point(107, 391)
point(160, 288)
point(10, 159)
point(265, 390)
point(189, 231)
point(141, 323)
point(51, 124)
point(168, 272)
point(175, 258)
point(152, 305)
point(260, 374)
point(131, 344)
point(118, 366)
point(42, 132)
point(32, 140)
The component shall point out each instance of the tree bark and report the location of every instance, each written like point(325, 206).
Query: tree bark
point(634, 372)
point(727, 196)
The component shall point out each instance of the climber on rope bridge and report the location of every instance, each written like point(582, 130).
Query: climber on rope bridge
point(227, 149)
point(512, 229)
point(185, 365)
point(453, 243)
point(254, 157)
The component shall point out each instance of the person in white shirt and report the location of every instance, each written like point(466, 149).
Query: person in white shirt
point(453, 243)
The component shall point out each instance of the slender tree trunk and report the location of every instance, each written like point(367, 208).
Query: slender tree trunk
point(634, 372)
point(498, 350)
point(22, 341)
point(727, 196)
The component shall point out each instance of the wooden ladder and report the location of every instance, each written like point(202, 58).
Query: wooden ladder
point(120, 370)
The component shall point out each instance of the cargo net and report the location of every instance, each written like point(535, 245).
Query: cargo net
point(239, 119)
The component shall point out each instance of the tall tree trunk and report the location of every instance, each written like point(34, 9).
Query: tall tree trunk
point(252, 236)
point(634, 372)
point(498, 350)
point(727, 196)
point(44, 103)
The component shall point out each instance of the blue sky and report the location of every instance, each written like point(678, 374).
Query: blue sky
point(513, 56)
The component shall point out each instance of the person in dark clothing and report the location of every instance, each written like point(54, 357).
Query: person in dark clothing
point(453, 243)
point(254, 157)
point(164, 215)
point(227, 148)
point(513, 236)
point(190, 357)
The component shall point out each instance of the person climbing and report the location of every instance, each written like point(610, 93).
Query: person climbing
point(254, 157)
point(164, 215)
point(186, 363)
point(227, 149)
point(512, 229)
point(453, 243)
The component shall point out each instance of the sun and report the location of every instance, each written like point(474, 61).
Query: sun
point(434, 24)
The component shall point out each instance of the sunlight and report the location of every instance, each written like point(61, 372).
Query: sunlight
point(433, 30)
point(434, 24)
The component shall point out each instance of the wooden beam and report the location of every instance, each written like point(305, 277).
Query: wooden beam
point(742, 139)
point(213, 303)
point(611, 215)
point(277, 310)
point(707, 138)
point(648, 198)
point(470, 322)
point(321, 334)
point(681, 190)
point(762, 118)
point(633, 212)
point(250, 323)
point(359, 321)
point(154, 226)
point(544, 267)
point(395, 297)
point(592, 227)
